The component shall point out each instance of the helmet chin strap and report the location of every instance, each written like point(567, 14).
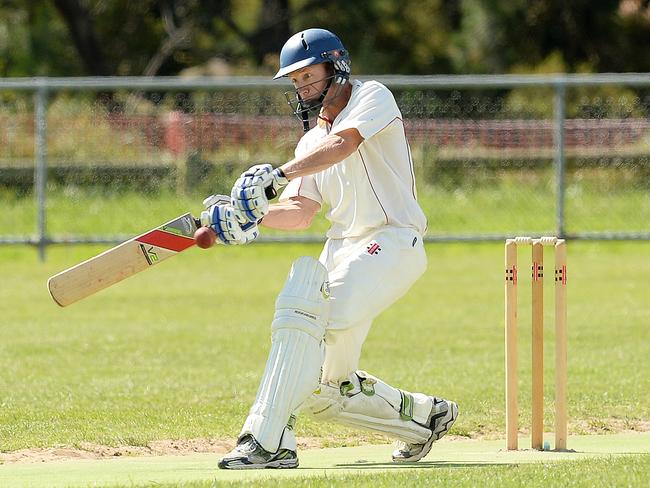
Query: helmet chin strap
point(305, 107)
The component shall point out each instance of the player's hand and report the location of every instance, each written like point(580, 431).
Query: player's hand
point(226, 223)
point(255, 187)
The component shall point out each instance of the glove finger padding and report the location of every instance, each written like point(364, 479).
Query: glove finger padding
point(215, 200)
point(250, 231)
point(259, 170)
point(223, 220)
point(252, 190)
point(251, 201)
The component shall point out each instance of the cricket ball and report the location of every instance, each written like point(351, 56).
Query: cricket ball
point(205, 237)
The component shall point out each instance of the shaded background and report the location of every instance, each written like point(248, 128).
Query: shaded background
point(154, 37)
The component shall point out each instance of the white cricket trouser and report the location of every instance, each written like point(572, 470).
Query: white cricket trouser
point(367, 275)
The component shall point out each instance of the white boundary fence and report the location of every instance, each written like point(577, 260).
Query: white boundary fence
point(42, 87)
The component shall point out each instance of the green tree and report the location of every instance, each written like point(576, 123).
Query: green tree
point(165, 37)
point(496, 36)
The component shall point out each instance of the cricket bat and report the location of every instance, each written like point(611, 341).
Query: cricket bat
point(122, 261)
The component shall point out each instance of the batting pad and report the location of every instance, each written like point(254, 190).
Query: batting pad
point(292, 370)
point(367, 402)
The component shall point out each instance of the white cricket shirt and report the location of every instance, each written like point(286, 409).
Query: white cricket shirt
point(375, 185)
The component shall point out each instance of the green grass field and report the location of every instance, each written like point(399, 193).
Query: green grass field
point(176, 352)
point(485, 202)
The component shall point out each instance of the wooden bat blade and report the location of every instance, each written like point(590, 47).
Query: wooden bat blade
point(122, 261)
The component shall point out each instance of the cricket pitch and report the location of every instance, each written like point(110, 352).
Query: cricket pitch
point(332, 462)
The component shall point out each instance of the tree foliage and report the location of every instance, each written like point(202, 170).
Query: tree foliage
point(165, 37)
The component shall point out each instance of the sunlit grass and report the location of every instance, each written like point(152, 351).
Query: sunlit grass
point(508, 203)
point(177, 351)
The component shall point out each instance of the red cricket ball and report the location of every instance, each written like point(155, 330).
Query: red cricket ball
point(205, 237)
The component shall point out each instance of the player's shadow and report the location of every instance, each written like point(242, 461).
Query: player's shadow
point(418, 465)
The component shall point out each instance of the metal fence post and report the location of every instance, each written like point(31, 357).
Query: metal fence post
point(559, 114)
point(40, 171)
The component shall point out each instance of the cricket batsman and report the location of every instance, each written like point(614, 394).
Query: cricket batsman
point(357, 161)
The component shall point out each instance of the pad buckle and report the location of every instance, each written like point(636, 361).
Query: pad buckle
point(366, 383)
point(346, 387)
point(367, 386)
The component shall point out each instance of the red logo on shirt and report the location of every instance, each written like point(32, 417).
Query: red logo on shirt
point(373, 248)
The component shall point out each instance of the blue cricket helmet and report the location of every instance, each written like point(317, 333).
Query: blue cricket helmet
point(314, 46)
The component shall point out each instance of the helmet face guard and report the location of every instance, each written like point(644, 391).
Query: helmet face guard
point(305, 109)
point(306, 48)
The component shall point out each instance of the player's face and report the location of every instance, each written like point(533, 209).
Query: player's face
point(310, 81)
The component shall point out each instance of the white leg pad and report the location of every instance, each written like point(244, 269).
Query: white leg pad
point(293, 367)
point(367, 402)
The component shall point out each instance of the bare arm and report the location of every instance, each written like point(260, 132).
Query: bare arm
point(298, 212)
point(293, 214)
point(331, 150)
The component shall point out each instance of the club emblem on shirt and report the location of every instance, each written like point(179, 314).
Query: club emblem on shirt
point(373, 248)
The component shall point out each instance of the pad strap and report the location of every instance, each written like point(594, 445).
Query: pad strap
point(367, 402)
point(406, 407)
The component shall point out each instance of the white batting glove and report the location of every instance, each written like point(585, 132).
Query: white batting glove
point(224, 220)
point(255, 187)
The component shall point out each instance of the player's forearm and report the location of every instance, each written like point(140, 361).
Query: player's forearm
point(332, 149)
point(289, 215)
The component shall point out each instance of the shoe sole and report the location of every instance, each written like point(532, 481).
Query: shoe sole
point(447, 421)
point(279, 464)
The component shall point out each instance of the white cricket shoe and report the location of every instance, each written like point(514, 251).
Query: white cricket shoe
point(442, 417)
point(248, 454)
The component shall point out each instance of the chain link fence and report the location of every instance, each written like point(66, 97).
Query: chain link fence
point(102, 159)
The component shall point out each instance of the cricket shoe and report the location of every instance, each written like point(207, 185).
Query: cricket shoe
point(442, 417)
point(248, 454)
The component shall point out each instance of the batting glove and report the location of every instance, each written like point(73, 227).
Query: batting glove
point(255, 187)
point(225, 221)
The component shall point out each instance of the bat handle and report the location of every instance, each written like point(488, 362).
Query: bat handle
point(270, 192)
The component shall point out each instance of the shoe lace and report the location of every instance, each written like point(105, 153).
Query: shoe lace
point(247, 444)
